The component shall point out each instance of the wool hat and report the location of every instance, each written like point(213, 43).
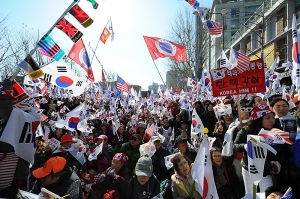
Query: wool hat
point(144, 167)
point(52, 165)
point(259, 111)
point(66, 138)
point(122, 157)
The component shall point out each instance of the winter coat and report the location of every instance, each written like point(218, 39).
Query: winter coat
point(159, 167)
point(68, 183)
point(181, 187)
point(103, 160)
point(146, 191)
point(282, 150)
point(133, 154)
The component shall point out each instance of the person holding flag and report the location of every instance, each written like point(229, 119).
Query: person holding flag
point(261, 117)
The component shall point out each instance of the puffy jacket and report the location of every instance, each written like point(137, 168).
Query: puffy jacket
point(133, 154)
point(148, 190)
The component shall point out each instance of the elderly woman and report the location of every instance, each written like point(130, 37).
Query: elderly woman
point(183, 186)
point(226, 181)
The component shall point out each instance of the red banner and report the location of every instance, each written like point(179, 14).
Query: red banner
point(230, 82)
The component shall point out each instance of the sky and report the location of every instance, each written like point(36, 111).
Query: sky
point(126, 56)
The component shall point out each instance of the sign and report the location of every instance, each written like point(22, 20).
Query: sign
point(231, 82)
point(223, 11)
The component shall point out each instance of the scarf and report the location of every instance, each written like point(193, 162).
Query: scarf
point(219, 174)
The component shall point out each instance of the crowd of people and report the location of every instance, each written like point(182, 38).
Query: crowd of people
point(120, 171)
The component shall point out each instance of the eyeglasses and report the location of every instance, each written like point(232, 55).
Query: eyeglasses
point(181, 164)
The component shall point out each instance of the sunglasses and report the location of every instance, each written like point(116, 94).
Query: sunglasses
point(247, 109)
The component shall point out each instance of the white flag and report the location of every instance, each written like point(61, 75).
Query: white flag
point(232, 62)
point(296, 54)
point(202, 172)
point(191, 82)
point(224, 60)
point(169, 160)
point(95, 152)
point(197, 125)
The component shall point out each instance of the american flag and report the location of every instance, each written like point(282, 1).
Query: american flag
point(214, 28)
point(243, 61)
point(46, 135)
point(122, 85)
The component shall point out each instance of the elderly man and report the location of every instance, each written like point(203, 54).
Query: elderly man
point(57, 177)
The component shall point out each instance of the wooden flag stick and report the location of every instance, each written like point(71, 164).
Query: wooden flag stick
point(254, 191)
point(239, 107)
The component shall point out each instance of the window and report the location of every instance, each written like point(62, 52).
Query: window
point(235, 12)
point(234, 24)
point(250, 10)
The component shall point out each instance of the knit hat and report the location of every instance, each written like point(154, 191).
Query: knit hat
point(259, 111)
point(122, 157)
point(144, 167)
point(102, 137)
point(52, 165)
point(66, 138)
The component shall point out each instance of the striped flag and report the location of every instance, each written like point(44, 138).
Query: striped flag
point(214, 28)
point(122, 85)
point(43, 52)
point(242, 61)
point(46, 135)
point(276, 136)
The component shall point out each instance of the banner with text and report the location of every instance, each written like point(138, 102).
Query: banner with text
point(231, 82)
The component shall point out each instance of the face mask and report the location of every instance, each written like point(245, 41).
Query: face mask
point(68, 148)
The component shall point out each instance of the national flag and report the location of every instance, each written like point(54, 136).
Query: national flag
point(194, 3)
point(103, 76)
point(51, 48)
point(197, 125)
point(202, 12)
point(43, 52)
point(95, 152)
point(81, 16)
point(205, 80)
point(214, 28)
point(169, 160)
point(242, 61)
point(172, 135)
point(191, 82)
point(202, 172)
point(287, 196)
point(295, 54)
point(272, 68)
point(108, 31)
point(122, 85)
point(162, 48)
point(79, 54)
point(256, 159)
point(276, 136)
point(71, 31)
point(223, 60)
point(28, 65)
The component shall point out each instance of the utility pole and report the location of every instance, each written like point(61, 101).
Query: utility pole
point(262, 30)
point(223, 13)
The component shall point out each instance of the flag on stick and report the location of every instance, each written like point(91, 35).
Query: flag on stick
point(81, 16)
point(79, 54)
point(51, 48)
point(162, 48)
point(214, 28)
point(73, 33)
point(122, 85)
point(107, 31)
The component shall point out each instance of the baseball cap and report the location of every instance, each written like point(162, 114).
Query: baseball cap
point(52, 165)
point(66, 138)
point(144, 167)
point(103, 137)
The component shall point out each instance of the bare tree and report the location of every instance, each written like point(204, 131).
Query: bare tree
point(184, 31)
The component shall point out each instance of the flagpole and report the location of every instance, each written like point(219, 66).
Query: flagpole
point(159, 74)
point(49, 31)
point(95, 51)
